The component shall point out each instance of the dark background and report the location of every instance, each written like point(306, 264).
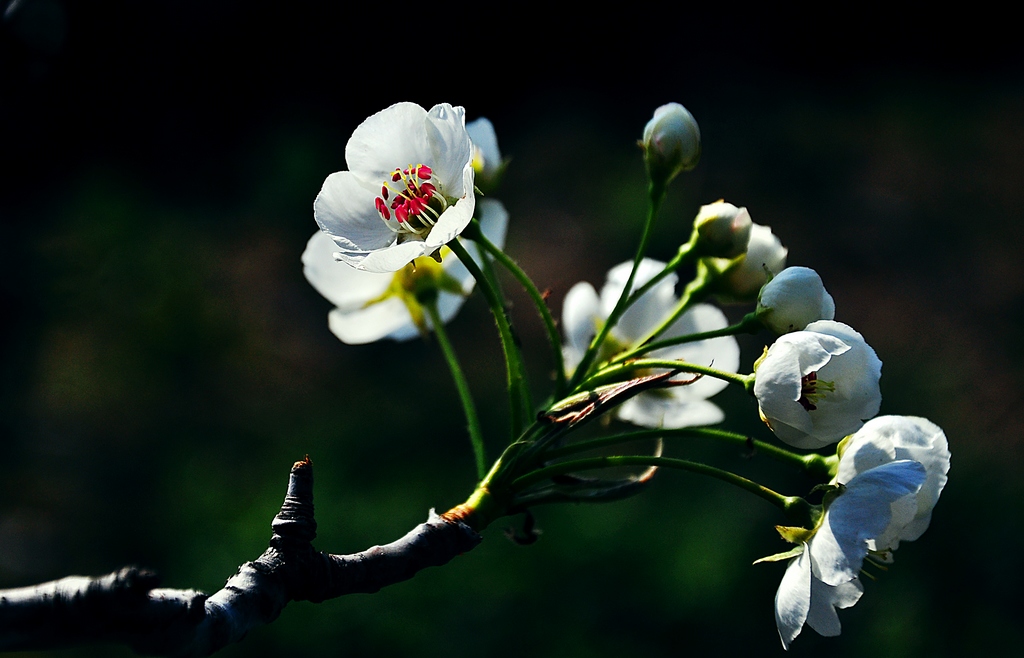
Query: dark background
point(164, 361)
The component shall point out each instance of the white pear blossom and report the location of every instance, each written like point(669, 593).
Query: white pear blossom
point(892, 471)
point(813, 387)
point(583, 312)
point(373, 305)
point(793, 299)
point(890, 438)
point(408, 190)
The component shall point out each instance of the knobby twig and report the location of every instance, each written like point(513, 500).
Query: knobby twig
point(126, 607)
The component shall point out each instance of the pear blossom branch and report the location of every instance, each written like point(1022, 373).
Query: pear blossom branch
point(126, 607)
point(476, 436)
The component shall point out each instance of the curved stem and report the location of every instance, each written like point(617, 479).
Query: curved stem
point(519, 396)
point(618, 371)
point(686, 253)
point(538, 300)
point(692, 294)
point(476, 436)
point(810, 462)
point(748, 325)
point(656, 194)
point(785, 503)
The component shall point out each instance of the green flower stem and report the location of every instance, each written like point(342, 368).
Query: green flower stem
point(656, 194)
point(748, 325)
point(476, 436)
point(809, 462)
point(695, 291)
point(538, 300)
point(786, 503)
point(619, 372)
point(685, 255)
point(519, 396)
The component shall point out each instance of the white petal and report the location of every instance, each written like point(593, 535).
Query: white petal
point(386, 319)
point(648, 311)
point(651, 409)
point(448, 306)
point(793, 600)
point(825, 599)
point(579, 321)
point(456, 217)
point(481, 132)
point(451, 150)
point(862, 512)
point(342, 285)
point(722, 353)
point(392, 138)
point(345, 210)
point(391, 259)
point(888, 438)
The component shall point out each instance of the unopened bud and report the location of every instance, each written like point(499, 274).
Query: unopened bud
point(671, 142)
point(722, 230)
point(793, 299)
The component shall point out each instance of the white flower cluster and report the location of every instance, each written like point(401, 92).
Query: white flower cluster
point(818, 385)
point(410, 191)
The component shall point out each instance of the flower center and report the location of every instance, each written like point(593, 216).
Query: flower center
point(409, 202)
point(812, 390)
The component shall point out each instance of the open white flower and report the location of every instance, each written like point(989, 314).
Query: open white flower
point(793, 299)
point(815, 386)
point(824, 576)
point(408, 190)
point(892, 471)
point(583, 312)
point(890, 438)
point(372, 305)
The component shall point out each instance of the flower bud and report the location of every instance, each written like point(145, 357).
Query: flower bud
point(741, 278)
point(721, 230)
point(671, 143)
point(794, 299)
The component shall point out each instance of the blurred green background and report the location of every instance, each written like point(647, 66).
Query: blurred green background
point(164, 361)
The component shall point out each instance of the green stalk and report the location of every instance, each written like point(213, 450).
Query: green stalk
point(809, 462)
point(476, 436)
point(686, 252)
point(748, 325)
point(656, 194)
point(785, 503)
point(619, 372)
point(519, 396)
point(692, 294)
point(538, 300)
